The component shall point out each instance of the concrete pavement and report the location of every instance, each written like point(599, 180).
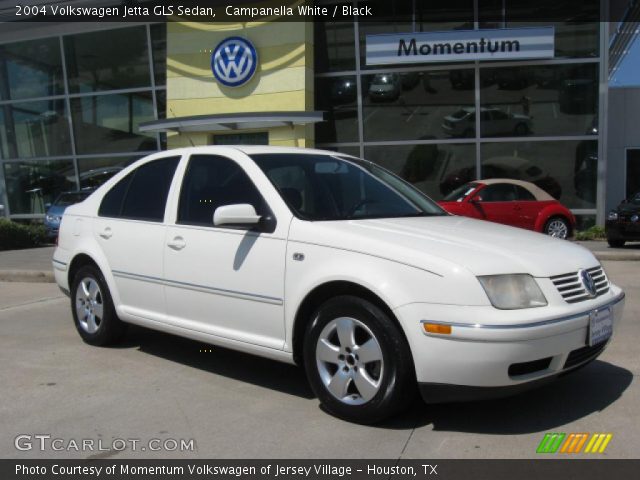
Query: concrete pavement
point(239, 406)
point(34, 265)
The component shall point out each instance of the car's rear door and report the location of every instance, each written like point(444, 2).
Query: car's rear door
point(224, 281)
point(130, 230)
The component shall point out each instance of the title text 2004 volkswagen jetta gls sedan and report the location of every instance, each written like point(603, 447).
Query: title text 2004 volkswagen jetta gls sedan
point(332, 262)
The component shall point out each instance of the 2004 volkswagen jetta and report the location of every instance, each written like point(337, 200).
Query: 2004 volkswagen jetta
point(332, 262)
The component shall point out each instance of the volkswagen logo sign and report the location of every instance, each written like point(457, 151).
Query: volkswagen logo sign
point(588, 283)
point(634, 218)
point(234, 61)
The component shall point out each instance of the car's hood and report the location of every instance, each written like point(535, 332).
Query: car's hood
point(629, 208)
point(56, 210)
point(446, 243)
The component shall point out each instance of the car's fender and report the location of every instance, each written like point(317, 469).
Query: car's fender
point(553, 210)
point(396, 284)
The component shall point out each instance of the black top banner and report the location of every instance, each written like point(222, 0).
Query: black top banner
point(240, 11)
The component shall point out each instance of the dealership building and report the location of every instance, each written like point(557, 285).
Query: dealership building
point(440, 92)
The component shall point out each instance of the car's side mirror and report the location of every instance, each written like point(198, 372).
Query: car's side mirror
point(476, 200)
point(238, 214)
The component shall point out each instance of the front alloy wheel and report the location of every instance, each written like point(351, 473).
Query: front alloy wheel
point(349, 361)
point(358, 361)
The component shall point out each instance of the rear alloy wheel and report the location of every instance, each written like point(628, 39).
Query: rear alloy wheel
point(93, 312)
point(358, 361)
point(557, 227)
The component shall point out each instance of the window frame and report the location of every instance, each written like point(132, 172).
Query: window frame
point(267, 223)
point(132, 173)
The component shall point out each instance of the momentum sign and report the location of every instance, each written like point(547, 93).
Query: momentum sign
point(460, 45)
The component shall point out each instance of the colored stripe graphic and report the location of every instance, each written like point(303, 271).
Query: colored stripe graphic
point(574, 442)
point(550, 442)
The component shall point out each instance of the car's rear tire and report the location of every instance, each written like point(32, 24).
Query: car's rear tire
point(358, 361)
point(558, 227)
point(93, 312)
point(615, 242)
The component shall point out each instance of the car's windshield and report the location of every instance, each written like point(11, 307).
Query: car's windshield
point(327, 187)
point(460, 193)
point(66, 199)
point(460, 114)
point(636, 199)
point(382, 80)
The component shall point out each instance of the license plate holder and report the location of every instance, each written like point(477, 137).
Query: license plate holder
point(600, 326)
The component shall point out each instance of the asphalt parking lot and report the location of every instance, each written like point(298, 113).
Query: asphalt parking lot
point(238, 406)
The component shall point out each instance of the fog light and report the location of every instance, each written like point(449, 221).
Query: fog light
point(437, 328)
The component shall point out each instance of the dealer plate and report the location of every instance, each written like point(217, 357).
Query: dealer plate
point(600, 325)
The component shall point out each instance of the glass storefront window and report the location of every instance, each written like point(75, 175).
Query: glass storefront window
point(567, 170)
point(159, 51)
point(95, 171)
point(4, 140)
point(338, 98)
point(401, 16)
point(576, 22)
point(107, 60)
point(30, 69)
point(32, 185)
point(435, 169)
point(418, 105)
point(109, 123)
point(539, 100)
point(35, 129)
point(334, 46)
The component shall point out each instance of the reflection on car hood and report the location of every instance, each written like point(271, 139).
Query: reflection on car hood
point(445, 243)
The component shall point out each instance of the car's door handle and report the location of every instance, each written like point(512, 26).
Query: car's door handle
point(177, 243)
point(106, 233)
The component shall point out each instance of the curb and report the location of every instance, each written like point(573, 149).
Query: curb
point(29, 276)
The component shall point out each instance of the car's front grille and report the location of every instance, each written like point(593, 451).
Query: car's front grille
point(572, 289)
point(584, 354)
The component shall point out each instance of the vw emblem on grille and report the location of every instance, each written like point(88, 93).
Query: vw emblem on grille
point(234, 61)
point(587, 281)
point(634, 218)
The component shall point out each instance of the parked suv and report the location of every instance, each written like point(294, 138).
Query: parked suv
point(334, 263)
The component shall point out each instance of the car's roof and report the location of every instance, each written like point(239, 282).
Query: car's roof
point(249, 150)
point(536, 191)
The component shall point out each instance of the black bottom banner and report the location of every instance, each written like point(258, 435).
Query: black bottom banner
point(325, 469)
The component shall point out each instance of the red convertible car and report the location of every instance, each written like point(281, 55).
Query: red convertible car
point(512, 202)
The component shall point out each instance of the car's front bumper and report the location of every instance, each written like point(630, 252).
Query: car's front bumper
point(474, 361)
point(619, 230)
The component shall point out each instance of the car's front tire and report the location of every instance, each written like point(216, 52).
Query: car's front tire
point(93, 312)
point(358, 361)
point(615, 242)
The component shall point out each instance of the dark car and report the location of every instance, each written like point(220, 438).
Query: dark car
point(623, 223)
point(57, 208)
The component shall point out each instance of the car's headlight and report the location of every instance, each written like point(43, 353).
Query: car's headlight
point(50, 218)
point(510, 292)
point(613, 215)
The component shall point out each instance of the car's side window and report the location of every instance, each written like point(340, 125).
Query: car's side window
point(498, 192)
point(141, 195)
point(212, 181)
point(523, 194)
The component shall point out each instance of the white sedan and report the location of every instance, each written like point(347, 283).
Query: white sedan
point(331, 262)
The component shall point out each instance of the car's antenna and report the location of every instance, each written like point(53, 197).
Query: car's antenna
point(187, 133)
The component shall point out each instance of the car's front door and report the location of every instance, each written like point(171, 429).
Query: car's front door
point(527, 208)
point(130, 231)
point(224, 281)
point(497, 203)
